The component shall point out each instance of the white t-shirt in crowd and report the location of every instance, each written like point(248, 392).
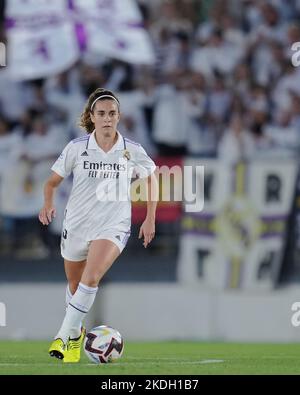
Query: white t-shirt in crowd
point(99, 200)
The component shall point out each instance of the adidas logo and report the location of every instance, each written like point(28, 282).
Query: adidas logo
point(84, 154)
point(118, 237)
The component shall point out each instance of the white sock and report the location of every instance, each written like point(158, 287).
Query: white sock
point(68, 295)
point(74, 332)
point(78, 307)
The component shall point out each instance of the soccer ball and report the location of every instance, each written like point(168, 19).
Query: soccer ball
point(103, 344)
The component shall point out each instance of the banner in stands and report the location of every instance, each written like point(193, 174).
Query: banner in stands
point(41, 39)
point(292, 245)
point(237, 240)
point(114, 28)
point(46, 37)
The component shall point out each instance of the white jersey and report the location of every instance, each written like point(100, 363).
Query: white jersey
point(95, 173)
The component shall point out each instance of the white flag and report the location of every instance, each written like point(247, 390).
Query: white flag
point(41, 39)
point(114, 28)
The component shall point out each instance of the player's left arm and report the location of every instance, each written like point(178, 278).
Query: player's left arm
point(147, 229)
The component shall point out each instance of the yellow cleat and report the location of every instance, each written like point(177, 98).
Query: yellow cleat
point(72, 352)
point(57, 349)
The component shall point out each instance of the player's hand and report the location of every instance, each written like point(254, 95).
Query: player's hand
point(148, 231)
point(46, 214)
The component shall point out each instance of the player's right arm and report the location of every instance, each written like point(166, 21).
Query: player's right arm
point(62, 168)
point(48, 211)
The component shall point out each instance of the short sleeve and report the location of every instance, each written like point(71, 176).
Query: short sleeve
point(144, 165)
point(65, 162)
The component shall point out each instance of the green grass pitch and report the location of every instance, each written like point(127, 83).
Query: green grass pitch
point(160, 358)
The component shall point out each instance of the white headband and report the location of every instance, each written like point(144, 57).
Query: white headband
point(101, 97)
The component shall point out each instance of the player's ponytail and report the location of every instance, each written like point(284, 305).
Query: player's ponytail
point(85, 118)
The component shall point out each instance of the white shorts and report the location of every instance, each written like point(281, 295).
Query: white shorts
point(75, 248)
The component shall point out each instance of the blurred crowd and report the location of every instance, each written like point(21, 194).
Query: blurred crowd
point(223, 85)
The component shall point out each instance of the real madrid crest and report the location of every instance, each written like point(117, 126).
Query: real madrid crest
point(126, 154)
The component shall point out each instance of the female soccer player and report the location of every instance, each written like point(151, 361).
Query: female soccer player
point(98, 213)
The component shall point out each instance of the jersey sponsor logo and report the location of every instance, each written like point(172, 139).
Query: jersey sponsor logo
point(87, 165)
point(103, 170)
